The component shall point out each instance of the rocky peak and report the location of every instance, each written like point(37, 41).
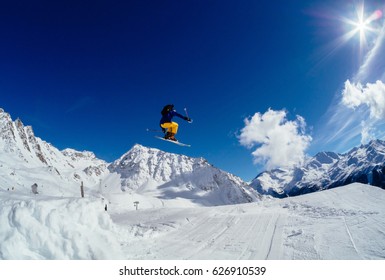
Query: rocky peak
point(20, 147)
point(77, 155)
point(364, 164)
point(142, 167)
point(7, 131)
point(326, 157)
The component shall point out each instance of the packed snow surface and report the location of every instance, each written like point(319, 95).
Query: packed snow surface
point(341, 223)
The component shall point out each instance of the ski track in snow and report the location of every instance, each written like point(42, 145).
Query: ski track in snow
point(214, 232)
point(350, 236)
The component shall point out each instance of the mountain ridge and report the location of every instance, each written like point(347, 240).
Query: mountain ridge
point(143, 168)
point(363, 164)
point(27, 159)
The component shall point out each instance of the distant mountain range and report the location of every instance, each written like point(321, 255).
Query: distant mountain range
point(364, 164)
point(26, 159)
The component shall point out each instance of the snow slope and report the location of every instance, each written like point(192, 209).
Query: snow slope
point(341, 223)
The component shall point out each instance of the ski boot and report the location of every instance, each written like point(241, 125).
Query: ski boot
point(170, 136)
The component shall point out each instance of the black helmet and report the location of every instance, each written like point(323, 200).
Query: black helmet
point(167, 109)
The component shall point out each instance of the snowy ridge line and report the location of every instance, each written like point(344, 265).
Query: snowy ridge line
point(27, 160)
point(326, 170)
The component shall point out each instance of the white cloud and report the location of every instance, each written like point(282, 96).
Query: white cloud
point(367, 133)
point(371, 95)
point(369, 103)
point(280, 142)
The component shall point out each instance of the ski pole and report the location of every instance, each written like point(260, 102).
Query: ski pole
point(153, 130)
point(185, 110)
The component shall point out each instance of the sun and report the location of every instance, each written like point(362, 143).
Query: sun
point(361, 26)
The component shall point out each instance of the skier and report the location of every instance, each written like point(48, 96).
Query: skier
point(169, 127)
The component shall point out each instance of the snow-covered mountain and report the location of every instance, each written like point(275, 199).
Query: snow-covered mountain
point(364, 164)
point(170, 176)
point(26, 159)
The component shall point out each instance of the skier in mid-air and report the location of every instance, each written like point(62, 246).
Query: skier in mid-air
point(169, 127)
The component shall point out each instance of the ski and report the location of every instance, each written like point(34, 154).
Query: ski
point(174, 142)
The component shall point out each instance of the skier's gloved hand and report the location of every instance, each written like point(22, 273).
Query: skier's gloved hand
point(187, 119)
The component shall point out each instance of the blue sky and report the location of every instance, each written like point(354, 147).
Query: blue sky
point(94, 75)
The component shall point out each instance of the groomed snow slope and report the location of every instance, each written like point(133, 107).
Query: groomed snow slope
point(341, 223)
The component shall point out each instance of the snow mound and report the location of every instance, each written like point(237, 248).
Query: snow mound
point(67, 228)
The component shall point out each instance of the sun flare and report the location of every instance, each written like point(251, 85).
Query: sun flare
point(362, 26)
